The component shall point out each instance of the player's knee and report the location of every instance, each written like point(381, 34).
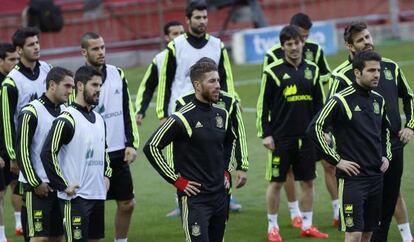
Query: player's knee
point(1, 196)
point(127, 206)
point(39, 239)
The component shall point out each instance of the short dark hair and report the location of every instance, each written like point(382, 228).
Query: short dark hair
point(88, 36)
point(289, 32)
point(19, 37)
point(353, 28)
point(360, 58)
point(301, 20)
point(6, 48)
point(171, 24)
point(202, 66)
point(85, 74)
point(57, 74)
point(195, 5)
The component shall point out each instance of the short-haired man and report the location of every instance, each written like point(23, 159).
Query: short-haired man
point(116, 108)
point(183, 52)
point(44, 220)
point(8, 59)
point(149, 82)
point(76, 162)
point(200, 134)
point(312, 51)
point(25, 83)
point(290, 95)
point(359, 123)
point(393, 86)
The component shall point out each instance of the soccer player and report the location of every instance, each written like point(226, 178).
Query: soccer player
point(44, 220)
point(8, 59)
point(200, 135)
point(392, 87)
point(312, 51)
point(290, 94)
point(26, 82)
point(76, 162)
point(359, 123)
point(116, 108)
point(186, 50)
point(150, 81)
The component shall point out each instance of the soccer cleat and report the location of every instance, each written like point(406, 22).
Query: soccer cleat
point(273, 235)
point(297, 222)
point(19, 231)
point(234, 206)
point(174, 213)
point(313, 232)
point(335, 222)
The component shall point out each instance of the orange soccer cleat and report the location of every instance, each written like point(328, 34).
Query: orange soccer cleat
point(297, 222)
point(313, 232)
point(273, 235)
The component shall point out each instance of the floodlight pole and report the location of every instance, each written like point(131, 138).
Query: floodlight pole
point(394, 11)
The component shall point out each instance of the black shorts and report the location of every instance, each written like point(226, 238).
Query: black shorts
point(83, 219)
point(360, 202)
point(204, 216)
point(44, 218)
point(6, 176)
point(296, 153)
point(121, 187)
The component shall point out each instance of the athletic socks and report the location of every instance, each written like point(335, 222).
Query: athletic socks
point(294, 209)
point(335, 208)
point(17, 217)
point(307, 220)
point(272, 222)
point(2, 233)
point(121, 240)
point(405, 232)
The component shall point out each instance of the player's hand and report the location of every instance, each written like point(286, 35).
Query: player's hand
point(349, 167)
point(14, 168)
point(2, 163)
point(241, 178)
point(269, 143)
point(405, 135)
point(188, 187)
point(107, 183)
point(227, 180)
point(163, 120)
point(385, 164)
point(43, 189)
point(130, 155)
point(139, 118)
point(71, 190)
point(328, 138)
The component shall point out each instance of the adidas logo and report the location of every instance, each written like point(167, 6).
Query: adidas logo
point(357, 109)
point(286, 76)
point(116, 91)
point(198, 125)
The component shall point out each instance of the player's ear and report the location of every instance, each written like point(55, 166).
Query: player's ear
point(357, 73)
point(83, 51)
point(19, 50)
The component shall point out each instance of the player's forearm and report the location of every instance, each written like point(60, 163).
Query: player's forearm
point(8, 107)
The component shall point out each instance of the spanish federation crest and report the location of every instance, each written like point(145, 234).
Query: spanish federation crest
point(309, 55)
point(308, 74)
point(195, 230)
point(349, 221)
point(38, 226)
point(376, 107)
point(77, 234)
point(388, 74)
point(219, 122)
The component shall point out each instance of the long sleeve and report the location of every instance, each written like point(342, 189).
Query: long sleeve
point(266, 94)
point(323, 65)
point(225, 72)
point(339, 82)
point(318, 93)
point(240, 148)
point(166, 78)
point(9, 96)
point(163, 136)
point(147, 88)
point(385, 134)
point(61, 133)
point(26, 128)
point(405, 92)
point(131, 129)
point(316, 128)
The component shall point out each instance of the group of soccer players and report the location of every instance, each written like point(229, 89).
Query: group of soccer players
point(67, 140)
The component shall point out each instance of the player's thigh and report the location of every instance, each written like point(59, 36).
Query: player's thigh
point(76, 219)
point(97, 220)
point(121, 185)
point(373, 205)
point(351, 211)
point(304, 164)
point(280, 162)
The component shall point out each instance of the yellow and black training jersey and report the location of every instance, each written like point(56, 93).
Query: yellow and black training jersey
point(199, 133)
point(289, 97)
point(392, 86)
point(360, 128)
point(312, 51)
point(239, 156)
